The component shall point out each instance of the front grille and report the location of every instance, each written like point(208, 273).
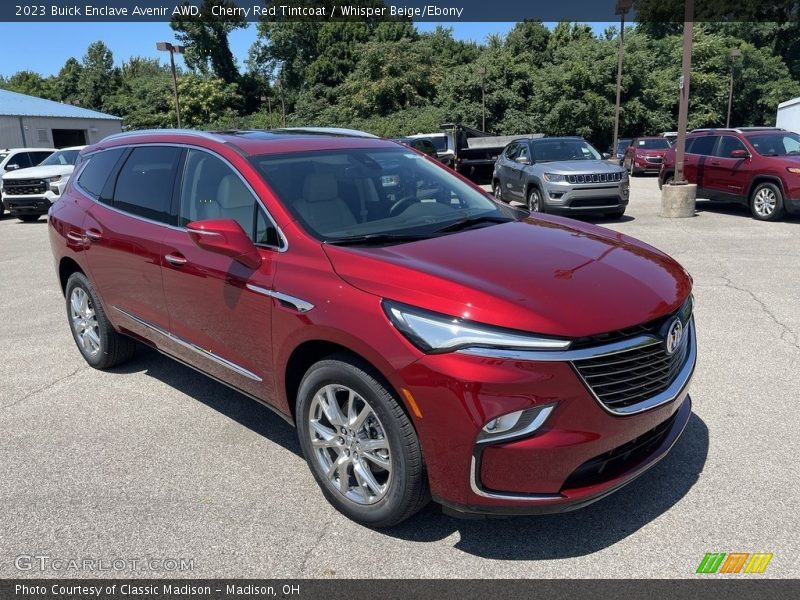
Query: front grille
point(630, 376)
point(24, 187)
point(656, 160)
point(621, 459)
point(595, 178)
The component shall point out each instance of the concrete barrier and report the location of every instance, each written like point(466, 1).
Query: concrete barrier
point(678, 201)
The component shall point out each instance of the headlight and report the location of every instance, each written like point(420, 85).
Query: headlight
point(435, 333)
point(793, 170)
point(554, 177)
point(53, 179)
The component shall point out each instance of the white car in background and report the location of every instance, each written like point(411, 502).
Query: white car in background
point(29, 193)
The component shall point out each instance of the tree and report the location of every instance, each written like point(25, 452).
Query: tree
point(67, 83)
point(144, 97)
point(206, 40)
point(97, 77)
point(207, 101)
point(31, 83)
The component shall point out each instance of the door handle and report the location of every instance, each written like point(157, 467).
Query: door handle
point(176, 260)
point(716, 163)
point(94, 235)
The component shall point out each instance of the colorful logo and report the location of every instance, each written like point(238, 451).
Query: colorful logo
point(734, 562)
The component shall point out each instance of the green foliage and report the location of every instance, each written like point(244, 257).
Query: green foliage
point(390, 79)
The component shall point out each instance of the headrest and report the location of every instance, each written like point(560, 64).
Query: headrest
point(232, 193)
point(320, 187)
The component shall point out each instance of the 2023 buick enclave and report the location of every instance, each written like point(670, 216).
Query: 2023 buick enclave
point(364, 292)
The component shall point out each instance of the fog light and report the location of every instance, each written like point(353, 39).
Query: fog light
point(54, 189)
point(514, 425)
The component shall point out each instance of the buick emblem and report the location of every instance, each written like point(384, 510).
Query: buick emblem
point(672, 341)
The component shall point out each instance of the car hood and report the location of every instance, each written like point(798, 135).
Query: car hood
point(579, 166)
point(40, 172)
point(545, 275)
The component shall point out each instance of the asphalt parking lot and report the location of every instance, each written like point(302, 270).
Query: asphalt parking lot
point(153, 460)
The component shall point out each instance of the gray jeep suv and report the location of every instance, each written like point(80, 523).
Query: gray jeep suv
point(560, 175)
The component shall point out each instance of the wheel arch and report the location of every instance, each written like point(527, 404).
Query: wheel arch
point(66, 267)
point(759, 179)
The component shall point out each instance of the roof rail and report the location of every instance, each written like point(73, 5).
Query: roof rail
point(189, 132)
point(737, 129)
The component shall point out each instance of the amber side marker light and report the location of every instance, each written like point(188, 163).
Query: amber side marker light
point(411, 403)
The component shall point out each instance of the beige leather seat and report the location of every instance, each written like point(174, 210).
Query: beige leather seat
point(321, 206)
point(235, 202)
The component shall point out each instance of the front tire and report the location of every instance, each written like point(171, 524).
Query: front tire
point(100, 345)
point(359, 443)
point(766, 202)
point(497, 191)
point(534, 200)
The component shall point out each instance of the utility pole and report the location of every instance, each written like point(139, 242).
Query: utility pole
point(482, 72)
point(683, 110)
point(283, 104)
point(268, 100)
point(173, 49)
point(623, 6)
point(735, 53)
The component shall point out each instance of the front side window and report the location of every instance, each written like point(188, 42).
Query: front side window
point(728, 144)
point(566, 149)
point(62, 157)
point(21, 160)
point(211, 189)
point(362, 195)
point(512, 150)
point(145, 182)
point(776, 144)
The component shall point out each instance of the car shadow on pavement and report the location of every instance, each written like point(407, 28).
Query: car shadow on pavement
point(735, 209)
point(601, 219)
point(577, 533)
point(226, 401)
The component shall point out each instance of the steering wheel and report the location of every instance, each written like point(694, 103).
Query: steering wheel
point(402, 205)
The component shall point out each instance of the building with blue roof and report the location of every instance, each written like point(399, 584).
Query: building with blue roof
point(28, 121)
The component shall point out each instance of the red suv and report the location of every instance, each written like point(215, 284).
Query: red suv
point(758, 167)
point(364, 292)
point(645, 155)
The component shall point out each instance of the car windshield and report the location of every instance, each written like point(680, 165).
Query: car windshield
point(439, 142)
point(622, 144)
point(776, 144)
point(653, 144)
point(567, 149)
point(373, 195)
point(62, 157)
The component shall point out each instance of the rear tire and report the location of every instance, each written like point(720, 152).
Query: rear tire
point(99, 344)
point(766, 202)
point(28, 218)
point(359, 443)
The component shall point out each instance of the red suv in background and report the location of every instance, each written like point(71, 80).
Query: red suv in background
point(755, 166)
point(645, 155)
point(363, 291)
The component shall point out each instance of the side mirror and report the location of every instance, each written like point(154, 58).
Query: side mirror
point(740, 154)
point(225, 236)
point(12, 167)
point(523, 160)
point(606, 155)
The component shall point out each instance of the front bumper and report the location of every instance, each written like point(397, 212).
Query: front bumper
point(582, 453)
point(29, 205)
point(593, 197)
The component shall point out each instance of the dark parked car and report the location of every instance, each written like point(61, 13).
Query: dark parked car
point(560, 175)
point(756, 166)
point(645, 154)
point(618, 153)
point(424, 145)
point(416, 360)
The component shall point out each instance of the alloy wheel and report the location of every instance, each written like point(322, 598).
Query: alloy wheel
point(498, 193)
point(349, 444)
point(534, 201)
point(84, 321)
point(765, 202)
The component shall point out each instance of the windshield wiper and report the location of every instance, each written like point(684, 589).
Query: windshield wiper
point(377, 238)
point(468, 222)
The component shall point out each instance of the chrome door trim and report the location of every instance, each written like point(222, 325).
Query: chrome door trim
point(293, 302)
point(193, 347)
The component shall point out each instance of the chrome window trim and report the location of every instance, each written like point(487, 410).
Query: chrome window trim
point(84, 161)
point(298, 304)
point(193, 347)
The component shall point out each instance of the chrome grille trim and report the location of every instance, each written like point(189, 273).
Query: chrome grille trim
point(595, 178)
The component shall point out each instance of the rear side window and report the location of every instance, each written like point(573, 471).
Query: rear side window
point(146, 181)
point(704, 146)
point(94, 176)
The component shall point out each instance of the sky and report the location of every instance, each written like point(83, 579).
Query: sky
point(44, 47)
